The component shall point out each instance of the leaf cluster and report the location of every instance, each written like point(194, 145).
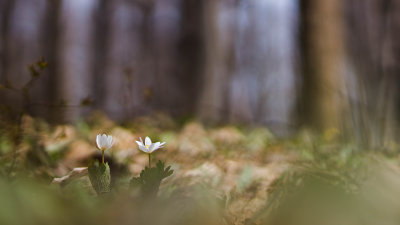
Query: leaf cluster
point(150, 179)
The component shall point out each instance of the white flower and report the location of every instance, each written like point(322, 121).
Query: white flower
point(104, 142)
point(148, 146)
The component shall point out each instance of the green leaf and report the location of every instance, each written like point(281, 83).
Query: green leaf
point(150, 179)
point(100, 177)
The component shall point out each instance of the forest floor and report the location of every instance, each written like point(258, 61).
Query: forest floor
point(238, 166)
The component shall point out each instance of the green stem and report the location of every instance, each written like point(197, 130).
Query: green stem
point(102, 157)
point(149, 160)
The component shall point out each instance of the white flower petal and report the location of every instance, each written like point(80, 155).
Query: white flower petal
point(147, 141)
point(98, 141)
point(110, 141)
point(140, 143)
point(102, 140)
point(156, 145)
point(162, 144)
point(144, 149)
point(151, 147)
point(148, 146)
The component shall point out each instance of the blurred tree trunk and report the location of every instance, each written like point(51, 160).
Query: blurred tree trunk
point(213, 98)
point(6, 9)
point(322, 42)
point(148, 59)
point(375, 53)
point(51, 36)
point(100, 37)
point(190, 52)
point(120, 95)
point(20, 47)
point(75, 56)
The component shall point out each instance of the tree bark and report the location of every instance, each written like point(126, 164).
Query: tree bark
point(100, 51)
point(190, 52)
point(322, 43)
point(7, 7)
point(51, 37)
point(213, 99)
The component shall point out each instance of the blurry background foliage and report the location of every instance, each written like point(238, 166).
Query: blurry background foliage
point(288, 64)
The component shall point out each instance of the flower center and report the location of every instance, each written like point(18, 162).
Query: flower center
point(147, 146)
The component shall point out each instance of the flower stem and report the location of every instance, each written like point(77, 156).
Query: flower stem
point(102, 157)
point(149, 160)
